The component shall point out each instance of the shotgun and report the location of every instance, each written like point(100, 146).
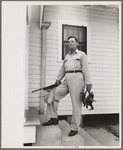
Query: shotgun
point(47, 87)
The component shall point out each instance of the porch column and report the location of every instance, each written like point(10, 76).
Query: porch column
point(45, 26)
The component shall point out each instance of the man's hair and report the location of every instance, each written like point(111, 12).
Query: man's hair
point(73, 37)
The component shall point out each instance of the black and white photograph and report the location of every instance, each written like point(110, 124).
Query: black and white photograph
point(61, 74)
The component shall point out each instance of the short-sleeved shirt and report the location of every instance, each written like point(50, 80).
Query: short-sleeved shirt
point(75, 61)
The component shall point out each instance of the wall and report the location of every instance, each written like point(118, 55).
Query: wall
point(104, 64)
point(13, 74)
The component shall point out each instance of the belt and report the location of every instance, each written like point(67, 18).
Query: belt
point(73, 71)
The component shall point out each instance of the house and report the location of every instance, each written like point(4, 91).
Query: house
point(31, 59)
point(97, 28)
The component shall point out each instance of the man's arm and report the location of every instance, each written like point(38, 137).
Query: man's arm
point(85, 71)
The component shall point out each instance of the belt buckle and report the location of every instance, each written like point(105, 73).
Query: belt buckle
point(74, 71)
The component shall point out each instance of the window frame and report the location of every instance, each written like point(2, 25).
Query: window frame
point(60, 38)
point(75, 26)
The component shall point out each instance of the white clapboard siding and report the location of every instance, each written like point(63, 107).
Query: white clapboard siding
point(35, 53)
point(97, 103)
point(101, 73)
point(53, 63)
point(34, 99)
point(104, 65)
point(98, 99)
point(115, 58)
point(104, 69)
point(101, 62)
point(52, 50)
point(33, 81)
point(103, 107)
point(95, 33)
point(36, 40)
point(115, 54)
point(35, 72)
point(49, 45)
point(36, 104)
point(35, 76)
point(105, 86)
point(51, 78)
point(62, 11)
point(51, 59)
point(84, 112)
point(98, 45)
point(34, 49)
point(35, 45)
point(34, 65)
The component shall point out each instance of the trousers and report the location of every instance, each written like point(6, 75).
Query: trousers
point(74, 84)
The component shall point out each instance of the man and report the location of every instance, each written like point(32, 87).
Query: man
point(76, 75)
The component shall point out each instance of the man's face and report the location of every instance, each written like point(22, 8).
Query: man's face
point(72, 43)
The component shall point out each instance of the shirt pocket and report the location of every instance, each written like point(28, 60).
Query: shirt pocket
point(77, 63)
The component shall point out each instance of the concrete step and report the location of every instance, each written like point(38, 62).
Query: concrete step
point(58, 135)
point(55, 135)
point(103, 136)
point(32, 120)
point(29, 134)
point(88, 140)
point(47, 135)
point(76, 140)
point(32, 117)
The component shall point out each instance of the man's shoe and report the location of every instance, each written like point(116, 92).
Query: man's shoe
point(52, 121)
point(72, 133)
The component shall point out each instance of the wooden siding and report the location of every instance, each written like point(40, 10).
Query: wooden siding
point(104, 66)
point(34, 64)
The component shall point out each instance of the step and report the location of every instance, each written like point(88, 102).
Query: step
point(76, 140)
point(32, 118)
point(105, 138)
point(48, 136)
point(88, 140)
point(55, 135)
point(29, 134)
point(82, 139)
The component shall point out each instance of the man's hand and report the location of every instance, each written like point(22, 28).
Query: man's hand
point(58, 82)
point(88, 87)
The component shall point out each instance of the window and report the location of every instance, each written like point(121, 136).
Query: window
point(80, 32)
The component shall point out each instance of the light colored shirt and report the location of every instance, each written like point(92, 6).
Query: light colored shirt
point(75, 61)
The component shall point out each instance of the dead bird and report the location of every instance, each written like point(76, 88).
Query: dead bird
point(87, 101)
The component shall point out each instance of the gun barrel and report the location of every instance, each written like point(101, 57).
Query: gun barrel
point(37, 90)
point(47, 87)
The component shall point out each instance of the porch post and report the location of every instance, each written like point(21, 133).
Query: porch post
point(45, 26)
